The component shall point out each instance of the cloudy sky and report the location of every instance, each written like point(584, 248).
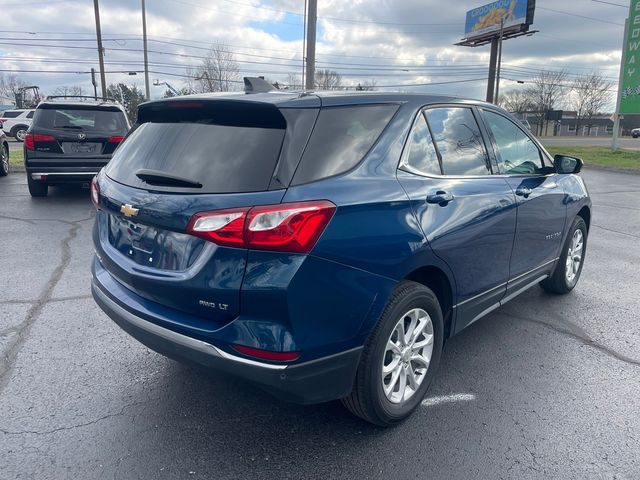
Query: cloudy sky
point(398, 44)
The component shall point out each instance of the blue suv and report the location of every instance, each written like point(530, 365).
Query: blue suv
point(325, 245)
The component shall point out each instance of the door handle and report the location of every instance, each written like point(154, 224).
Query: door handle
point(523, 192)
point(441, 198)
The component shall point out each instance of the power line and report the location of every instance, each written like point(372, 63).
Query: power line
point(571, 14)
point(610, 3)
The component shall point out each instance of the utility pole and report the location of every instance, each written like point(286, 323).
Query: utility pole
point(312, 19)
point(491, 84)
point(495, 98)
point(146, 58)
point(96, 8)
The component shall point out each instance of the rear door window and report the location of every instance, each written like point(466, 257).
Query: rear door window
point(222, 158)
point(341, 138)
point(458, 139)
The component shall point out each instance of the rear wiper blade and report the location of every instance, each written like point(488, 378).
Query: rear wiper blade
point(155, 177)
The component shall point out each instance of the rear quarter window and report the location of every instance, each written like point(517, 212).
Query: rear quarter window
point(341, 138)
point(11, 114)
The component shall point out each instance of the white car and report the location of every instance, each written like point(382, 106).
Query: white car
point(635, 133)
point(15, 123)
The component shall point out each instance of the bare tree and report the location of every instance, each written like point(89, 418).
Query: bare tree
point(66, 90)
point(219, 72)
point(9, 85)
point(517, 101)
point(591, 93)
point(326, 79)
point(546, 93)
point(293, 82)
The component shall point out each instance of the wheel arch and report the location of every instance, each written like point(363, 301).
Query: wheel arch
point(437, 280)
point(15, 129)
point(585, 213)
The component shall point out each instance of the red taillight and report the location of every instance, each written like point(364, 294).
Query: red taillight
point(95, 192)
point(115, 139)
point(293, 227)
point(31, 139)
point(2, 120)
point(267, 354)
point(289, 227)
point(224, 227)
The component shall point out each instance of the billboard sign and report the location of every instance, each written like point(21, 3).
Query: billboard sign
point(485, 21)
point(630, 75)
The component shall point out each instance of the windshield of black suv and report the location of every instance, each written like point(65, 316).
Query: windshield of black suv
point(111, 120)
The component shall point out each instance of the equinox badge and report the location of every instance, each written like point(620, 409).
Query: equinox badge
point(128, 210)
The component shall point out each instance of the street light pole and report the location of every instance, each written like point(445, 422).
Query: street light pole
point(312, 19)
point(146, 58)
point(103, 80)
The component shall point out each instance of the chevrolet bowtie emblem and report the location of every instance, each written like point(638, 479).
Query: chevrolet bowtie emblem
point(128, 210)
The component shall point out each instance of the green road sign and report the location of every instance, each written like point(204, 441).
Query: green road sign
point(630, 85)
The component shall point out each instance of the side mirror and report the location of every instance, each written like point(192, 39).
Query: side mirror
point(565, 164)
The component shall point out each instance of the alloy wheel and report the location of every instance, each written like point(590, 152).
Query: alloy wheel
point(574, 256)
point(407, 356)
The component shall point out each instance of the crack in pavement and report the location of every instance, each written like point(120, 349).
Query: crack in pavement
point(8, 331)
point(71, 427)
point(70, 299)
point(22, 329)
point(578, 333)
point(33, 221)
point(615, 231)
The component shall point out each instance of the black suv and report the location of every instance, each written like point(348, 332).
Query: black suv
point(70, 140)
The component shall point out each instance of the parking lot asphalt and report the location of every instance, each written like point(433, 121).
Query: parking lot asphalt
point(544, 387)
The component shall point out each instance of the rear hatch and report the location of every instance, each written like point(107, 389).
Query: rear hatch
point(75, 135)
point(187, 157)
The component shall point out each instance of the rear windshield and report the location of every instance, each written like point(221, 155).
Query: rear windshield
point(222, 158)
point(86, 120)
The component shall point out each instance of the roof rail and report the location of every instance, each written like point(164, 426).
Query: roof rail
point(82, 97)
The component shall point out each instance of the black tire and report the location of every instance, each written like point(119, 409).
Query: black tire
point(367, 400)
point(37, 188)
point(558, 282)
point(18, 132)
point(4, 160)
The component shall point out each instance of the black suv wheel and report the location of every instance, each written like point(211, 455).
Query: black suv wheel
point(4, 160)
point(37, 188)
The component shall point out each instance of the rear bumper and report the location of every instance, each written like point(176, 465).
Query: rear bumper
point(57, 175)
point(316, 381)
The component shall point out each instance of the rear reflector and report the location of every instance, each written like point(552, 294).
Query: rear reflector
point(30, 140)
point(95, 192)
point(288, 227)
point(115, 139)
point(267, 354)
